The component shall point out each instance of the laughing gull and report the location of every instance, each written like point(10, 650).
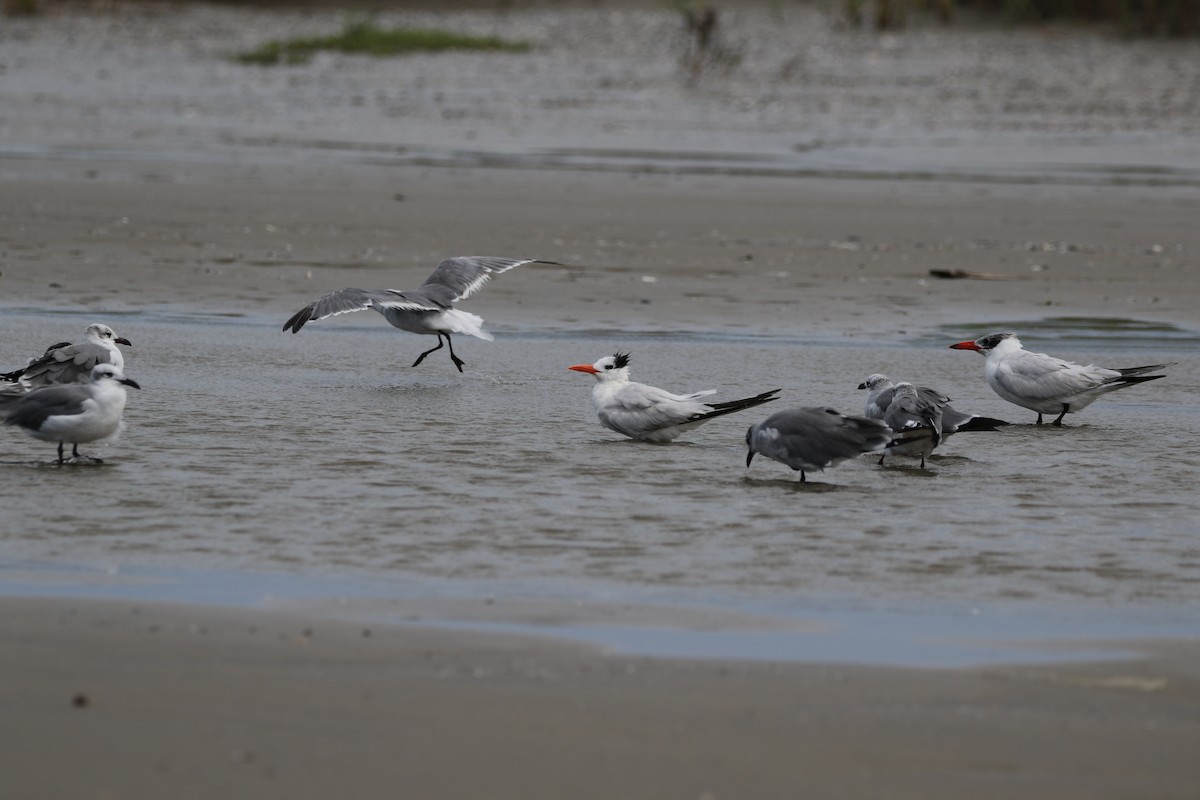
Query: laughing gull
point(75, 412)
point(72, 363)
point(908, 411)
point(814, 438)
point(427, 309)
point(650, 414)
point(880, 391)
point(1046, 384)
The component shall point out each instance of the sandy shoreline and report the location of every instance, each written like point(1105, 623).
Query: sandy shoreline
point(144, 700)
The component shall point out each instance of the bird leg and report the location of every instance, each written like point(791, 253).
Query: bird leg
point(1066, 408)
point(421, 357)
point(922, 462)
point(1039, 422)
point(458, 362)
point(881, 458)
point(60, 452)
point(802, 476)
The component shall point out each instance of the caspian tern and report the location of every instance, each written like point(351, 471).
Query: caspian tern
point(74, 412)
point(814, 438)
point(427, 309)
point(879, 395)
point(1046, 384)
point(648, 413)
point(72, 363)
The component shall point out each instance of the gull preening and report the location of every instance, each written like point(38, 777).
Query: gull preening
point(428, 309)
point(907, 411)
point(1046, 384)
point(73, 413)
point(72, 363)
point(814, 438)
point(927, 402)
point(648, 413)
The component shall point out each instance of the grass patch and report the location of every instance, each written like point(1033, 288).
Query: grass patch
point(366, 38)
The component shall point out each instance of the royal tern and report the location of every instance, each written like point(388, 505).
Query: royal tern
point(1046, 384)
point(880, 390)
point(75, 413)
point(427, 309)
point(72, 363)
point(648, 413)
point(815, 438)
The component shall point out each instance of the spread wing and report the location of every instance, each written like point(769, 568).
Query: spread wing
point(458, 278)
point(345, 301)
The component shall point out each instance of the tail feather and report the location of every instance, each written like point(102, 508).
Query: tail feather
point(729, 406)
point(913, 435)
point(1143, 370)
point(1130, 380)
point(981, 424)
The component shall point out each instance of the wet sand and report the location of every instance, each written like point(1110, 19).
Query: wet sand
point(116, 699)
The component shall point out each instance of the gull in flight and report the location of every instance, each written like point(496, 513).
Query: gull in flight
point(72, 363)
point(428, 309)
point(648, 413)
point(72, 412)
point(813, 438)
point(1046, 384)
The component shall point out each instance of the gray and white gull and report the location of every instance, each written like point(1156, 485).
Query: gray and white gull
point(428, 309)
point(74, 413)
point(67, 362)
point(814, 438)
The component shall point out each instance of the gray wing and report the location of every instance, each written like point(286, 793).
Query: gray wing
point(345, 301)
point(31, 410)
point(821, 436)
point(460, 277)
point(70, 364)
point(932, 396)
point(877, 404)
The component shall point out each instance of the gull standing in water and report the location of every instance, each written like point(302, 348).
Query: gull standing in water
point(72, 363)
point(813, 438)
point(75, 412)
point(648, 413)
point(908, 411)
point(1046, 384)
point(881, 391)
point(428, 309)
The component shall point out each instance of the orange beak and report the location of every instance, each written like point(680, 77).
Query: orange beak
point(588, 368)
point(966, 346)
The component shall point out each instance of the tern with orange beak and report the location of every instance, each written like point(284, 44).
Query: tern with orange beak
point(650, 414)
point(1046, 384)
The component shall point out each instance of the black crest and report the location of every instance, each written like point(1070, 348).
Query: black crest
point(620, 360)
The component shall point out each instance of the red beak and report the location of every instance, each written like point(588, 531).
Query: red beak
point(588, 368)
point(966, 346)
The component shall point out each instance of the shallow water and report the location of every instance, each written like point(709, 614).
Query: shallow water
point(325, 454)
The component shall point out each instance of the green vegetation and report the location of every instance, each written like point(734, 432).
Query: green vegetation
point(366, 38)
point(1138, 17)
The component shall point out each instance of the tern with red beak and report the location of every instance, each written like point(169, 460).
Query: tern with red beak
point(1046, 384)
point(427, 309)
point(650, 414)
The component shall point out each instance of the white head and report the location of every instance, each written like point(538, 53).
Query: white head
point(104, 373)
point(875, 383)
point(100, 331)
point(609, 368)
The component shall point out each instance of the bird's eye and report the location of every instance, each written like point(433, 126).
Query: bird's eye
point(608, 366)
